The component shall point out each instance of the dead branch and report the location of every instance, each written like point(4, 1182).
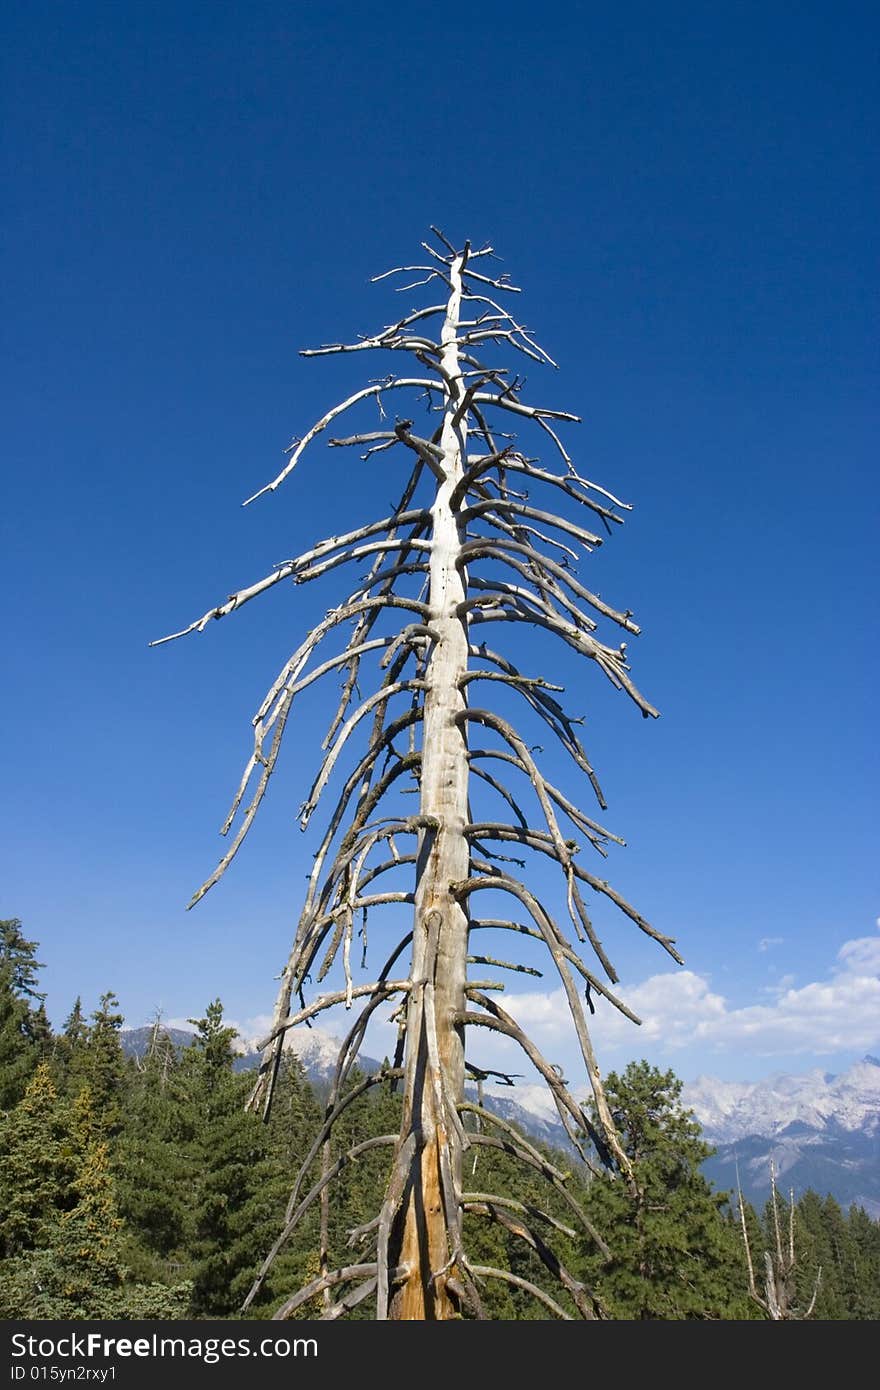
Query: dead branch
point(586, 1303)
point(498, 924)
point(329, 1281)
point(778, 1300)
point(390, 383)
point(464, 546)
point(490, 1272)
point(496, 550)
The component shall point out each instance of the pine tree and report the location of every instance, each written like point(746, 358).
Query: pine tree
point(70, 1049)
point(294, 1125)
point(24, 1028)
point(105, 1062)
point(842, 1267)
point(232, 1212)
point(154, 1163)
point(61, 1229)
point(62, 1236)
point(36, 1165)
point(19, 955)
point(674, 1253)
point(863, 1279)
point(87, 1268)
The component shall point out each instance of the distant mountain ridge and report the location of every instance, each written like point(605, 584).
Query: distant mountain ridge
point(315, 1048)
point(820, 1130)
point(318, 1052)
point(135, 1042)
point(731, 1110)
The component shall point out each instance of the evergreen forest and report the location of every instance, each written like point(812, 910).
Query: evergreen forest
point(140, 1188)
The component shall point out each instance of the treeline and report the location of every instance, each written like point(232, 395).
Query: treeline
point(141, 1188)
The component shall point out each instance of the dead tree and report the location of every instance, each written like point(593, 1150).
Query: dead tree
point(779, 1299)
point(465, 550)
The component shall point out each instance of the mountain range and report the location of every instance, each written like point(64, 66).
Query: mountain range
point(820, 1130)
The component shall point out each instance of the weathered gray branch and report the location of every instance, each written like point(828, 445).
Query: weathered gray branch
point(500, 924)
point(586, 1302)
point(518, 1282)
point(390, 383)
point(475, 550)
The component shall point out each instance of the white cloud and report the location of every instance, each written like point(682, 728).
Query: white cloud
point(182, 1023)
point(681, 1010)
point(779, 986)
point(671, 1008)
point(861, 956)
point(767, 941)
point(254, 1029)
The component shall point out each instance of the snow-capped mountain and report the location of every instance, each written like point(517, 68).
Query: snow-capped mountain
point(818, 1130)
point(317, 1049)
point(528, 1107)
point(136, 1042)
point(821, 1131)
point(731, 1110)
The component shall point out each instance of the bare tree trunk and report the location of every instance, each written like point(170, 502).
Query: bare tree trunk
point(463, 548)
point(780, 1287)
point(430, 1232)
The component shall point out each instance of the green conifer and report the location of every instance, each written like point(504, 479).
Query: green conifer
point(24, 1028)
point(674, 1254)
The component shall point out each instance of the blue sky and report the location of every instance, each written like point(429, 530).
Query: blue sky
point(688, 196)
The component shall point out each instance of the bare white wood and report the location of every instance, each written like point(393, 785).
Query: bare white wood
point(403, 706)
